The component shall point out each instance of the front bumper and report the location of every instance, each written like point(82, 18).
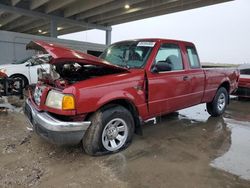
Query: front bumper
point(54, 130)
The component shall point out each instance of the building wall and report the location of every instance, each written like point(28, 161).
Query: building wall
point(13, 45)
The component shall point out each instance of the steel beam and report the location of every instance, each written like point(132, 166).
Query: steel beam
point(81, 6)
point(71, 30)
point(106, 8)
point(43, 28)
point(14, 2)
point(37, 3)
point(32, 25)
point(9, 19)
point(49, 17)
point(162, 10)
point(135, 8)
point(18, 23)
point(54, 5)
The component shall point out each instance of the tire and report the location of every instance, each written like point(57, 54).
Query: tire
point(218, 106)
point(103, 136)
point(23, 78)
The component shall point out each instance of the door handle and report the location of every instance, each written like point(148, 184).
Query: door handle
point(185, 78)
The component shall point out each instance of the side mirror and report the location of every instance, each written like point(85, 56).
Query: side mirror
point(161, 66)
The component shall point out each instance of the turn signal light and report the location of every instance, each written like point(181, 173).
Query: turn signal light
point(68, 103)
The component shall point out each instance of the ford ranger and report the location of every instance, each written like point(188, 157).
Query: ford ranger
point(102, 102)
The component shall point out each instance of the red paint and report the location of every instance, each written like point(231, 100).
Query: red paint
point(60, 53)
point(2, 75)
point(244, 86)
point(244, 82)
point(167, 91)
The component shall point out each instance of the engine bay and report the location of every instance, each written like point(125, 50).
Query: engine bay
point(67, 73)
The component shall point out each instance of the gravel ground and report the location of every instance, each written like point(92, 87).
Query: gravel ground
point(184, 149)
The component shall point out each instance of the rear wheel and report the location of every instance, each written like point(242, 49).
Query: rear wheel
point(111, 131)
point(218, 106)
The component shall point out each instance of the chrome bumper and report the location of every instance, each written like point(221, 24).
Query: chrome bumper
point(54, 130)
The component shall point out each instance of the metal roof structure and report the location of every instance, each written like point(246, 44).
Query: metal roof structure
point(58, 17)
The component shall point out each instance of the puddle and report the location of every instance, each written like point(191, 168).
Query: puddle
point(237, 159)
point(197, 114)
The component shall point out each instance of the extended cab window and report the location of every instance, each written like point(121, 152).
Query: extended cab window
point(193, 57)
point(171, 54)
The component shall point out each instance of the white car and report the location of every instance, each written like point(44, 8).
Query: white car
point(26, 69)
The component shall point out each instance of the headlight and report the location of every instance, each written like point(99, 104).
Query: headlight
point(3, 70)
point(60, 101)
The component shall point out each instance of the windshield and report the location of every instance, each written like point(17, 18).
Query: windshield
point(130, 54)
point(35, 60)
point(21, 61)
point(38, 60)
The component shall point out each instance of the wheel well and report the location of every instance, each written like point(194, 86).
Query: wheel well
point(130, 107)
point(226, 85)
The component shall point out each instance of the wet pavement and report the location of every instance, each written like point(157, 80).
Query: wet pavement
point(184, 149)
point(236, 160)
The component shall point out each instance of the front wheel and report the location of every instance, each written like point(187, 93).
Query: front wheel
point(19, 78)
point(218, 106)
point(111, 131)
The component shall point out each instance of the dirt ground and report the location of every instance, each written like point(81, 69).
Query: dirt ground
point(184, 149)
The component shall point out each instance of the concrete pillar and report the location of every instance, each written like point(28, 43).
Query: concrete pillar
point(53, 28)
point(108, 37)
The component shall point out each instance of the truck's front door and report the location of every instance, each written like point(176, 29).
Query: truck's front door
point(168, 90)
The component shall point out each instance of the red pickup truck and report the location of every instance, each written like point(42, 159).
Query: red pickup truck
point(101, 102)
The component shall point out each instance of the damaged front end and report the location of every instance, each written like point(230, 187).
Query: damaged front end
point(51, 106)
point(68, 72)
point(69, 66)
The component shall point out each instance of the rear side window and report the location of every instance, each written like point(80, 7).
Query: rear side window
point(171, 54)
point(193, 57)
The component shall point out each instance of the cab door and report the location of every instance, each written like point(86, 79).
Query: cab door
point(168, 90)
point(196, 76)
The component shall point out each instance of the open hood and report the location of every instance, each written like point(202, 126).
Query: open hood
point(60, 53)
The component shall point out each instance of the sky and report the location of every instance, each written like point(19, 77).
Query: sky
point(220, 32)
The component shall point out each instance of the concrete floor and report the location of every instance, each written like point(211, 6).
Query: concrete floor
point(184, 149)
